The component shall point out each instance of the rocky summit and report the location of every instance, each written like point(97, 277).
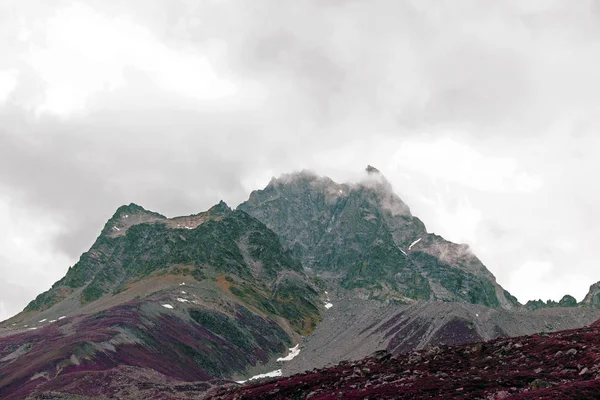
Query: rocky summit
point(364, 237)
point(306, 274)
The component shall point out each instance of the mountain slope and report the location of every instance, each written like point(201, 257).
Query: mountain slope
point(354, 328)
point(561, 365)
point(213, 295)
point(364, 237)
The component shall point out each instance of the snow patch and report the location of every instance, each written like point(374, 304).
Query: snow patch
point(403, 252)
point(43, 320)
point(179, 299)
point(167, 306)
point(52, 320)
point(413, 243)
point(64, 316)
point(294, 351)
point(182, 284)
point(115, 228)
point(271, 374)
point(182, 292)
point(328, 305)
point(32, 329)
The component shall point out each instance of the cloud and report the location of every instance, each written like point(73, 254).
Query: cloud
point(450, 160)
point(85, 52)
point(483, 118)
point(8, 82)
point(537, 273)
point(28, 262)
point(460, 221)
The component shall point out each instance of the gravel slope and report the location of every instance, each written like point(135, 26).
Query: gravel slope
point(354, 328)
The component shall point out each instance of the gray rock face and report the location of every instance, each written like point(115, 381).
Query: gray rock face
point(592, 299)
point(364, 238)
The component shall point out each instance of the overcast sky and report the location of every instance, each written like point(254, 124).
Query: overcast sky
point(483, 115)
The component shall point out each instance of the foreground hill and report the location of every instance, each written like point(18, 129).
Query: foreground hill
point(208, 296)
point(560, 365)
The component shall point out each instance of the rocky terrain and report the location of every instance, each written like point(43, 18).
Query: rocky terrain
point(560, 365)
point(353, 328)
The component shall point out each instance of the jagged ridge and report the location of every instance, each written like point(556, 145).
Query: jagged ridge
point(365, 237)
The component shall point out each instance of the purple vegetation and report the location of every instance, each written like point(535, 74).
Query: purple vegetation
point(560, 365)
point(80, 354)
point(457, 331)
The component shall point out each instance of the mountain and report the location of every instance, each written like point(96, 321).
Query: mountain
point(212, 295)
point(364, 237)
point(305, 274)
point(566, 301)
point(591, 300)
point(560, 365)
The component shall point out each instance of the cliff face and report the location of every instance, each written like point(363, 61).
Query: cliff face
point(592, 299)
point(365, 238)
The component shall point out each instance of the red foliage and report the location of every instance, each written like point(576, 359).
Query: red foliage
point(561, 365)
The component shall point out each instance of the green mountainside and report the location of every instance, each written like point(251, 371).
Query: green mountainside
point(220, 246)
point(365, 237)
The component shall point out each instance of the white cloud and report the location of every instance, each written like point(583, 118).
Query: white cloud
point(461, 223)
point(8, 82)
point(4, 314)
point(450, 160)
point(548, 281)
point(513, 89)
point(86, 52)
point(28, 263)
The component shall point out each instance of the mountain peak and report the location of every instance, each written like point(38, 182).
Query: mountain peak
point(372, 170)
point(592, 299)
point(392, 257)
point(127, 216)
point(219, 208)
point(133, 209)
